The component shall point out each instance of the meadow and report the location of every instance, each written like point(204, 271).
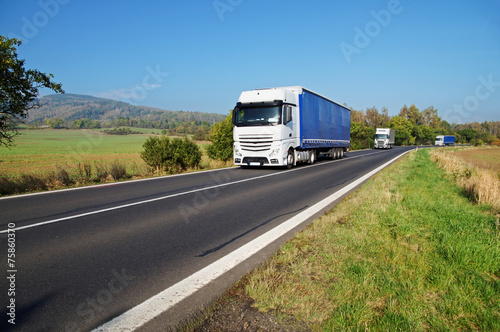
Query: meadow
point(42, 151)
point(54, 158)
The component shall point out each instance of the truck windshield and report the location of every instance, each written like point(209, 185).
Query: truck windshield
point(258, 116)
point(381, 136)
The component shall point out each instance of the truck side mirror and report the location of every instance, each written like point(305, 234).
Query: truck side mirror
point(235, 114)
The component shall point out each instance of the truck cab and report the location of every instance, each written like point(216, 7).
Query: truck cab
point(264, 127)
point(384, 138)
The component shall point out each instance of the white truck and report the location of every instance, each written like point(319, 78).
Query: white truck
point(444, 140)
point(287, 125)
point(384, 138)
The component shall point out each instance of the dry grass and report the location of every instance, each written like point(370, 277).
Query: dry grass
point(475, 170)
point(487, 158)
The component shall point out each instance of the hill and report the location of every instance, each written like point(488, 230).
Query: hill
point(71, 107)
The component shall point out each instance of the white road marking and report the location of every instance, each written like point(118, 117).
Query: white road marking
point(158, 304)
point(163, 197)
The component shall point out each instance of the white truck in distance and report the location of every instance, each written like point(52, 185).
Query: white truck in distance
point(287, 125)
point(444, 140)
point(384, 138)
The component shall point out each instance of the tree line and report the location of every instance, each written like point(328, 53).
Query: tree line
point(415, 127)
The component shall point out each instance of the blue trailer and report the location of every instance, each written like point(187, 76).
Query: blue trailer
point(288, 125)
point(444, 140)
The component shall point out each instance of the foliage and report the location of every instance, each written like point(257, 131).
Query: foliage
point(18, 89)
point(171, 155)
point(121, 131)
point(412, 114)
point(221, 136)
point(424, 135)
point(361, 136)
point(202, 133)
point(403, 128)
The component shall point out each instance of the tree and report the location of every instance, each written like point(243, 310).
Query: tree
point(403, 128)
point(361, 136)
point(468, 134)
point(372, 117)
point(221, 135)
point(430, 117)
point(385, 119)
point(18, 89)
point(411, 113)
point(424, 135)
point(358, 116)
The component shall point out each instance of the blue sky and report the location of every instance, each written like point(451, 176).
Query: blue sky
point(199, 55)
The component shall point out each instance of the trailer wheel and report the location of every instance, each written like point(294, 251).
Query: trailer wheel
point(312, 158)
point(333, 154)
point(341, 153)
point(290, 159)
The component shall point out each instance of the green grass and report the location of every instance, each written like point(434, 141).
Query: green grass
point(405, 252)
point(39, 151)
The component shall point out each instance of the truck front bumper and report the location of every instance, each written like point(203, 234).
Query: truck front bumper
point(273, 157)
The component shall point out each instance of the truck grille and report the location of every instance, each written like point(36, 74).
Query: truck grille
point(255, 143)
point(380, 142)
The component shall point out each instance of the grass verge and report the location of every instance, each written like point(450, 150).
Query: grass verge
point(405, 252)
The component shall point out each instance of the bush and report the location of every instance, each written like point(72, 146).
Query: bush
point(171, 155)
point(118, 171)
point(201, 134)
point(84, 171)
point(63, 176)
point(221, 135)
point(101, 172)
point(121, 131)
point(26, 182)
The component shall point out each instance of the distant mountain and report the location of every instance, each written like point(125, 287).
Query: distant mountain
point(71, 107)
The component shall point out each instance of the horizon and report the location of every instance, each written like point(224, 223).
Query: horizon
point(180, 56)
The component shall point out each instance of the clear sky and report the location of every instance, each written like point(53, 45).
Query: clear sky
point(199, 55)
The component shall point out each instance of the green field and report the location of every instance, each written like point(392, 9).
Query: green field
point(50, 159)
point(41, 151)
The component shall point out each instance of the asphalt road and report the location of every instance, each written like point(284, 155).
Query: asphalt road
point(85, 256)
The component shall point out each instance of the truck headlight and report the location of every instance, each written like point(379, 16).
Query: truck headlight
point(237, 152)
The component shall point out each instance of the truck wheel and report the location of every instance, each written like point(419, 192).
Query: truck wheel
point(312, 158)
point(290, 159)
point(341, 153)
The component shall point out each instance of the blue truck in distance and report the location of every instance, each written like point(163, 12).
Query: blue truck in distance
point(444, 140)
point(288, 125)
